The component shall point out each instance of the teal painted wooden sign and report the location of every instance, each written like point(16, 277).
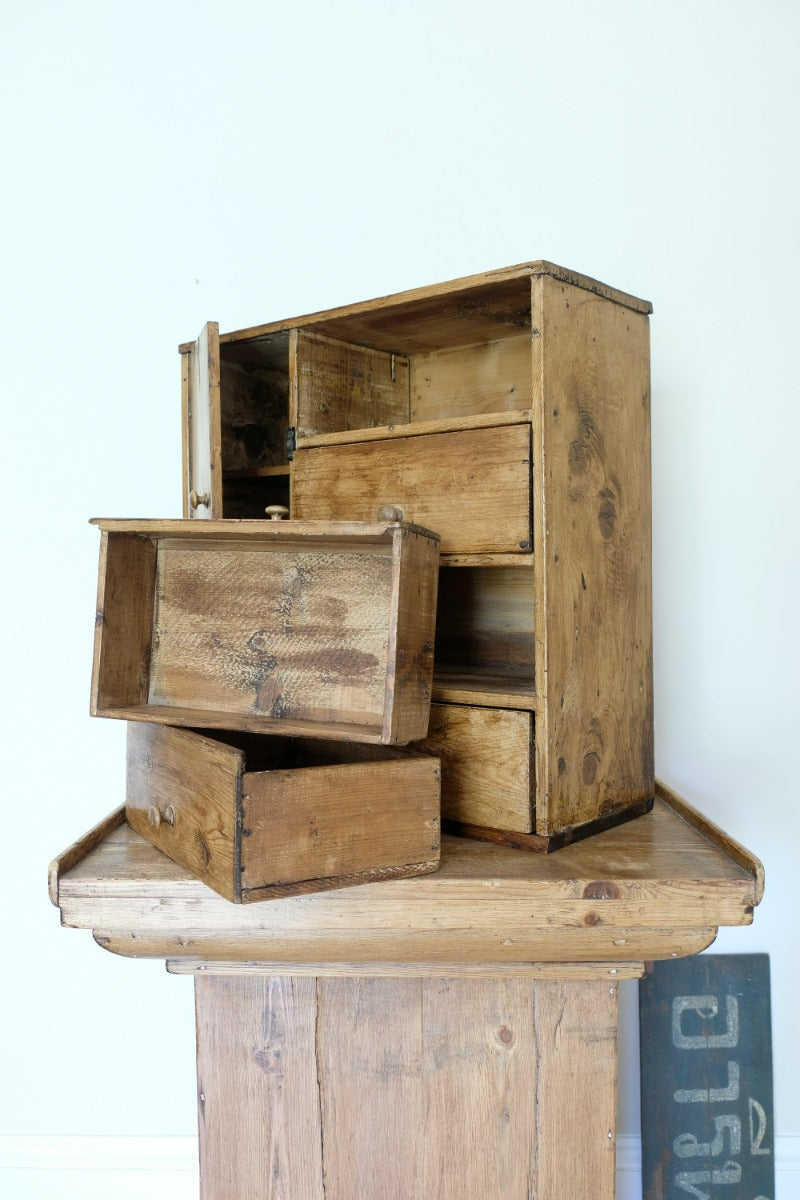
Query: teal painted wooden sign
point(706, 1077)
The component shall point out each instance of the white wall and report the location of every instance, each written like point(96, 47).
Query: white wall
point(169, 163)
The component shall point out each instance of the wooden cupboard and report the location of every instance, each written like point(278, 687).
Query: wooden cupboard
point(509, 412)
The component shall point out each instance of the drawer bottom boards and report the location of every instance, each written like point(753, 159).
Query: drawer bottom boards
point(488, 758)
point(259, 817)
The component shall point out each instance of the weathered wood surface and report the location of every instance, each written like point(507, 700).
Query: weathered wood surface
point(461, 381)
point(650, 889)
point(286, 825)
point(593, 605)
point(472, 487)
point(484, 621)
point(487, 758)
point(341, 386)
point(267, 626)
point(357, 1088)
point(459, 312)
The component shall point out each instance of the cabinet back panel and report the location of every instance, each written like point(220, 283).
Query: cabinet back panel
point(484, 619)
point(463, 381)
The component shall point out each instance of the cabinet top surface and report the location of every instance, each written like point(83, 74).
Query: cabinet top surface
point(668, 878)
point(475, 308)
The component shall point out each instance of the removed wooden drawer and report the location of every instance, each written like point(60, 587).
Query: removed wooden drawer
point(259, 817)
point(301, 628)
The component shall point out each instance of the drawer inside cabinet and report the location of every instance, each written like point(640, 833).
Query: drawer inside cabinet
point(473, 486)
point(258, 817)
point(488, 766)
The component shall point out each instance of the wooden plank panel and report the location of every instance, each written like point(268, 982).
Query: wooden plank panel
point(199, 780)
point(466, 380)
point(371, 1087)
point(576, 1025)
point(295, 634)
point(123, 620)
point(410, 654)
point(472, 488)
point(334, 821)
point(458, 312)
point(259, 1117)
point(592, 479)
point(707, 1113)
point(483, 1088)
point(487, 761)
point(344, 386)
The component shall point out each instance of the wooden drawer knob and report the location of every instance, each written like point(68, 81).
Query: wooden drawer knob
point(390, 512)
point(155, 816)
point(276, 512)
point(198, 498)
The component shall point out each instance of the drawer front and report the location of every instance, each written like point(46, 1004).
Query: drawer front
point(181, 795)
point(472, 487)
point(488, 776)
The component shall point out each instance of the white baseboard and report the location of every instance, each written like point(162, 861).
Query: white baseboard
point(165, 1168)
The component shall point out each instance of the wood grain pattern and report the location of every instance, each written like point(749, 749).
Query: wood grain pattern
point(200, 780)
point(344, 386)
point(460, 381)
point(649, 889)
point(458, 312)
point(257, 820)
point(254, 624)
point(123, 621)
point(487, 764)
point(341, 824)
point(591, 487)
point(476, 1088)
point(472, 487)
point(259, 1115)
point(484, 622)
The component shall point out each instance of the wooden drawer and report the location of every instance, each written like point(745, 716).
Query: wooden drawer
point(488, 769)
point(489, 781)
point(300, 628)
point(473, 486)
point(259, 817)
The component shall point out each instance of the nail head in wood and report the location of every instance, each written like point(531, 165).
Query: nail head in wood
point(276, 512)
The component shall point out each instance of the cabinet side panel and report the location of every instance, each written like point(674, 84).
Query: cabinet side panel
point(593, 545)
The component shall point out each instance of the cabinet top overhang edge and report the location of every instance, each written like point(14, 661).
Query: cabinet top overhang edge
point(401, 315)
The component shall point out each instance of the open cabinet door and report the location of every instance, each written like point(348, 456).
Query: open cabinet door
point(202, 427)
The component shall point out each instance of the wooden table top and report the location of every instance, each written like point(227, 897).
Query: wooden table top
point(656, 887)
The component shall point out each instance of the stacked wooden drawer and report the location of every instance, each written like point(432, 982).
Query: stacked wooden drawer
point(267, 671)
point(509, 412)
